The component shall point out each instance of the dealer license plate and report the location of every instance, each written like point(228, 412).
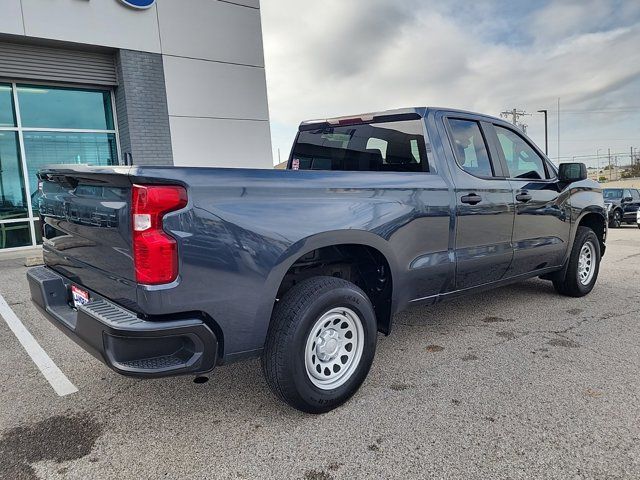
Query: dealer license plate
point(79, 296)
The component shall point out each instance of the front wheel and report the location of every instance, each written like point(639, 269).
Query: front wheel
point(583, 267)
point(320, 344)
point(616, 219)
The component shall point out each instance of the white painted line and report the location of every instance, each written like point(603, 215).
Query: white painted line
point(50, 370)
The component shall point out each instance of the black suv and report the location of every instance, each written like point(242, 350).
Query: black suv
point(622, 205)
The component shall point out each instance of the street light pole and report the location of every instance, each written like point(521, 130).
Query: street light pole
point(546, 133)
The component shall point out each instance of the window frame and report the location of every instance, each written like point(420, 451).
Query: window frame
point(496, 167)
point(20, 130)
point(550, 172)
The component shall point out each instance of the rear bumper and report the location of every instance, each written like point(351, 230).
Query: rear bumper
point(117, 337)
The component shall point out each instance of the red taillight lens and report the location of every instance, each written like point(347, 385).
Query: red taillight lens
point(155, 254)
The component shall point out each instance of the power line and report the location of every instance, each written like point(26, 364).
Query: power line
point(515, 114)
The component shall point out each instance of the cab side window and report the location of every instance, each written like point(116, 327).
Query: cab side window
point(635, 195)
point(522, 160)
point(470, 148)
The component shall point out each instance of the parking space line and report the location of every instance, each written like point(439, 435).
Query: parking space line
point(50, 370)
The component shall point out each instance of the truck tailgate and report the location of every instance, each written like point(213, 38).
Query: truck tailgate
point(86, 225)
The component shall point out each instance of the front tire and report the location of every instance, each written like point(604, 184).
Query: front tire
point(616, 219)
point(583, 267)
point(320, 345)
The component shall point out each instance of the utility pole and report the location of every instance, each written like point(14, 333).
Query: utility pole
point(558, 129)
point(515, 114)
point(609, 154)
point(546, 132)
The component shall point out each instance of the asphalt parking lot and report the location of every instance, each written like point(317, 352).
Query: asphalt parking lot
point(515, 383)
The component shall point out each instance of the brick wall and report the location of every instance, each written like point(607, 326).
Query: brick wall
point(141, 106)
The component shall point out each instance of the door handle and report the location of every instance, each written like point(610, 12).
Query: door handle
point(523, 197)
point(471, 199)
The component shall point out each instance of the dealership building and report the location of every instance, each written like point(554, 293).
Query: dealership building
point(99, 82)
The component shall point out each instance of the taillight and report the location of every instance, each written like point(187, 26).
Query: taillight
point(155, 254)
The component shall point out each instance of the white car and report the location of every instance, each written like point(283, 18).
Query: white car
point(638, 217)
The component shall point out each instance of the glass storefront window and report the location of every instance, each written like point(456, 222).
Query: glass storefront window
point(49, 107)
point(7, 117)
point(47, 148)
point(46, 126)
point(15, 234)
point(13, 196)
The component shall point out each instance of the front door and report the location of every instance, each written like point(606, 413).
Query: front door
point(484, 205)
point(542, 223)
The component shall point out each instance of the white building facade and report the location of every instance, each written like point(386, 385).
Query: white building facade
point(100, 82)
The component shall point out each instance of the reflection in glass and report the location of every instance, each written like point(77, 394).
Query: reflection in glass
point(15, 235)
point(38, 228)
point(7, 117)
point(49, 107)
point(46, 148)
point(13, 197)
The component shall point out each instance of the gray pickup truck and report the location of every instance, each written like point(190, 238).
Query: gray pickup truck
point(173, 270)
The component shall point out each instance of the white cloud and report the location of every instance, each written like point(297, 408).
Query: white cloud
point(339, 57)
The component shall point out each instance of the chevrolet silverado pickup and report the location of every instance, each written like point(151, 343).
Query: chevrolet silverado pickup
point(162, 271)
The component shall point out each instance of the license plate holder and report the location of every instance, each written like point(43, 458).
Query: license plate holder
point(79, 296)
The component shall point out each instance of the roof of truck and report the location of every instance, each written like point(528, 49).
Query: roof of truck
point(389, 115)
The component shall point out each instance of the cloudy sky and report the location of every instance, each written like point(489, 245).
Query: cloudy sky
point(339, 57)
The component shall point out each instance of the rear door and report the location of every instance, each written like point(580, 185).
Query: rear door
point(542, 221)
point(484, 204)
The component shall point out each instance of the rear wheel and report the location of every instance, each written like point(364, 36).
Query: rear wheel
point(320, 345)
point(616, 219)
point(583, 267)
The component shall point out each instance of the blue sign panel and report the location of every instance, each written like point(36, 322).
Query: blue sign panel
point(141, 4)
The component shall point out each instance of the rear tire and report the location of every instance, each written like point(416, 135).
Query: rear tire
point(320, 345)
point(583, 267)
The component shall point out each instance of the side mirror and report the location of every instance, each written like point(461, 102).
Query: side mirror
point(627, 199)
point(572, 172)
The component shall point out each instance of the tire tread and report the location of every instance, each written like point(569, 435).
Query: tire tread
point(282, 329)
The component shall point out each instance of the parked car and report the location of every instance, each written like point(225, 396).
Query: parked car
point(622, 205)
point(174, 270)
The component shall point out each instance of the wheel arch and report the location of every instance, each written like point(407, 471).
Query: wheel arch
point(340, 238)
point(597, 221)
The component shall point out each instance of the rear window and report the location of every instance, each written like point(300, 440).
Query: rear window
point(385, 147)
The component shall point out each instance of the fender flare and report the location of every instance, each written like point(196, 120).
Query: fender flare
point(314, 242)
point(559, 275)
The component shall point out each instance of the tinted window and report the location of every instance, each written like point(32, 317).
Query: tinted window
point(522, 160)
point(470, 148)
point(55, 107)
point(612, 193)
point(626, 193)
point(7, 118)
point(385, 146)
point(636, 195)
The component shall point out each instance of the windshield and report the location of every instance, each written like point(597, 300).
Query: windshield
point(612, 193)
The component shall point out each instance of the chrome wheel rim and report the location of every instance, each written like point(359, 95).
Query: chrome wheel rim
point(334, 348)
point(586, 263)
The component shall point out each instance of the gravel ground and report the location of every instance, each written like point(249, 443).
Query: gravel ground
point(515, 383)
